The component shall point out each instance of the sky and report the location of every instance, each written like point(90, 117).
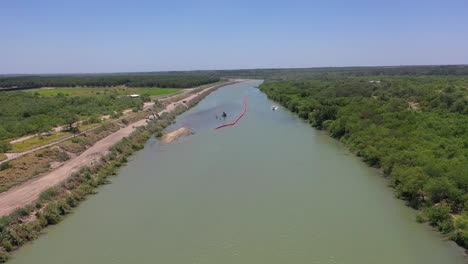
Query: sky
point(61, 36)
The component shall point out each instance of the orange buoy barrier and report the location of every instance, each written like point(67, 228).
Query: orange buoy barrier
point(238, 117)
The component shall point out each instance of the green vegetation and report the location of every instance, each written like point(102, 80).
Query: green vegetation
point(93, 91)
point(167, 79)
point(332, 72)
point(24, 113)
point(4, 146)
point(5, 165)
point(78, 97)
point(413, 127)
point(37, 141)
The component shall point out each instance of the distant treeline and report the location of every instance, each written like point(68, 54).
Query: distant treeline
point(171, 80)
point(413, 127)
point(333, 72)
point(185, 79)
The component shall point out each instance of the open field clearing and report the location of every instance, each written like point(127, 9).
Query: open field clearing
point(38, 141)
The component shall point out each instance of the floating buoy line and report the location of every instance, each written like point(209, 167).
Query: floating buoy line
point(238, 117)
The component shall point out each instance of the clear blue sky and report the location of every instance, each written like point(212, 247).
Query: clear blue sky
point(117, 36)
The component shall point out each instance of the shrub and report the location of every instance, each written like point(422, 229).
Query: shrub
point(5, 165)
point(94, 119)
point(51, 214)
point(437, 214)
point(48, 194)
point(461, 238)
point(115, 114)
point(420, 218)
point(4, 146)
point(446, 226)
point(3, 255)
point(6, 244)
point(62, 156)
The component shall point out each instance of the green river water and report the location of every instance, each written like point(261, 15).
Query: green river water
point(269, 190)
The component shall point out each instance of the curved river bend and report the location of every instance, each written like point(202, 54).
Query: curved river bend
point(269, 190)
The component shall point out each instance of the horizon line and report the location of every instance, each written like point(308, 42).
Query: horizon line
point(232, 69)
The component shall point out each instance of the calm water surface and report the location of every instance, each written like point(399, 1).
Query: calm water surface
point(269, 190)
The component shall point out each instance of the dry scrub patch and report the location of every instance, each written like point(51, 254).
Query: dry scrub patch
point(29, 166)
point(80, 143)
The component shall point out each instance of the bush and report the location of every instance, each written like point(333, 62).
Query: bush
point(420, 218)
point(48, 194)
point(4, 146)
point(5, 165)
point(6, 244)
point(51, 214)
point(446, 226)
point(94, 119)
point(4, 256)
point(62, 156)
point(461, 238)
point(438, 214)
point(116, 114)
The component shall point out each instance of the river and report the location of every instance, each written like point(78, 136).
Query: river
point(269, 190)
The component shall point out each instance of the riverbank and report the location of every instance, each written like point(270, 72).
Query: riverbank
point(44, 201)
point(418, 150)
point(176, 134)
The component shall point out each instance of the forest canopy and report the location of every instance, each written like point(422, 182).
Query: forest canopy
point(106, 80)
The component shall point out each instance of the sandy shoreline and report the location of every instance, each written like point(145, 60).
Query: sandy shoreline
point(29, 191)
point(176, 134)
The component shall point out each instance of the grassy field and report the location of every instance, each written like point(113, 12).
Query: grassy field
point(92, 91)
point(37, 141)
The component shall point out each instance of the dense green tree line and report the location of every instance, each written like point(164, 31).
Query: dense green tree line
point(333, 72)
point(131, 80)
point(414, 128)
point(24, 113)
point(185, 79)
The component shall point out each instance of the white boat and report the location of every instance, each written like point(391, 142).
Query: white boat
point(274, 108)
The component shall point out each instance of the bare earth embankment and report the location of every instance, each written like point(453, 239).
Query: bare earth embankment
point(28, 192)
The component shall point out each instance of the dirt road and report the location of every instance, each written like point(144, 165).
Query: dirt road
point(28, 192)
